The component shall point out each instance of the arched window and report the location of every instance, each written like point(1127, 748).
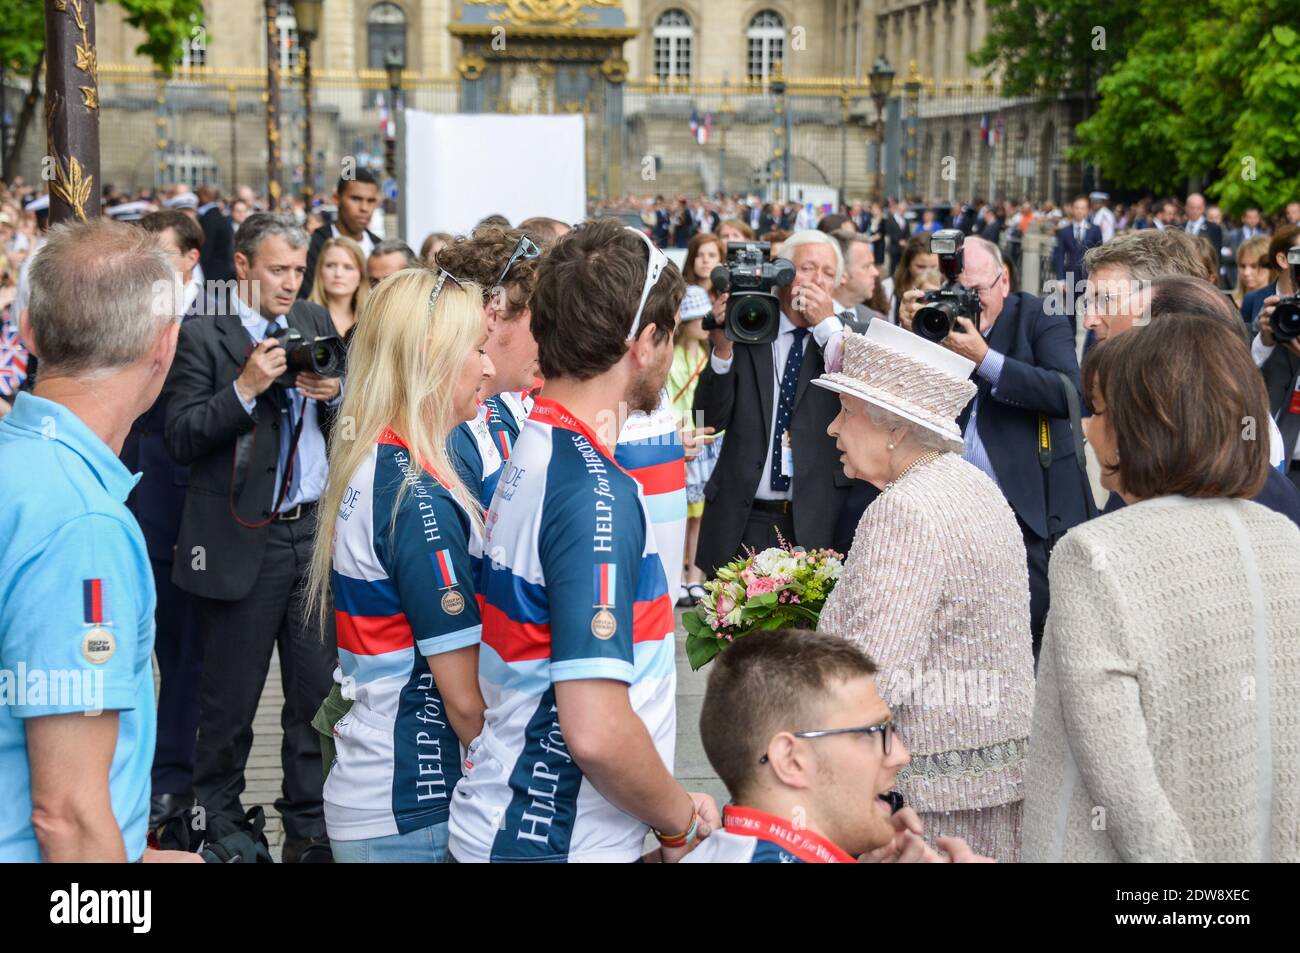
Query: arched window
point(385, 30)
point(286, 28)
point(766, 35)
point(672, 35)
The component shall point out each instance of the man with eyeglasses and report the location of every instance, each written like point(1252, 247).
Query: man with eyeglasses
point(577, 662)
point(794, 726)
point(1017, 429)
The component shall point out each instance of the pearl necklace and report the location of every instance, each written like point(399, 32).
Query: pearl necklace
point(928, 457)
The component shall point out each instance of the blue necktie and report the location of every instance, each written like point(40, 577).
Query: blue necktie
point(785, 406)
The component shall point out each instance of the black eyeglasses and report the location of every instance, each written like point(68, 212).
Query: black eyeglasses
point(525, 250)
point(886, 731)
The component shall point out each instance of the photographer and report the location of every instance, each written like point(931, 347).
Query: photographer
point(779, 471)
point(1280, 360)
point(254, 440)
point(1018, 349)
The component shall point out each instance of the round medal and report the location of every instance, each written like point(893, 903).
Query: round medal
point(453, 603)
point(604, 625)
point(98, 646)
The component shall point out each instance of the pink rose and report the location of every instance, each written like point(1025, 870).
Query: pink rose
point(747, 577)
point(724, 605)
point(760, 586)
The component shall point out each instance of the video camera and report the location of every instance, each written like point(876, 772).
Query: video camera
point(1286, 313)
point(751, 279)
point(946, 304)
point(324, 355)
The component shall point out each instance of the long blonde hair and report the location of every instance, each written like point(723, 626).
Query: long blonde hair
point(359, 296)
point(403, 364)
point(1256, 247)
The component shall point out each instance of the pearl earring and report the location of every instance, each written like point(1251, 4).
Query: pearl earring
point(890, 446)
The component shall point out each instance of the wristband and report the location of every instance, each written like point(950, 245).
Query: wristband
point(683, 839)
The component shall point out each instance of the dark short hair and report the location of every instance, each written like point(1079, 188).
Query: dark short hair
point(1282, 239)
point(493, 220)
point(830, 223)
point(189, 236)
point(263, 225)
point(588, 287)
point(394, 246)
point(765, 683)
point(847, 241)
point(1179, 396)
point(483, 256)
point(364, 176)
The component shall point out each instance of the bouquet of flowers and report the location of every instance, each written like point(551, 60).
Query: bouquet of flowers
point(777, 588)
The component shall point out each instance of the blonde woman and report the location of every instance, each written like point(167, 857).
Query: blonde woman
point(398, 563)
point(1252, 267)
point(339, 284)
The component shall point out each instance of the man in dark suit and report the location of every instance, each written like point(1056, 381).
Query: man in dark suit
point(779, 471)
point(1018, 350)
point(897, 231)
point(357, 197)
point(256, 452)
point(1198, 225)
point(1280, 365)
point(1073, 239)
point(157, 501)
point(218, 256)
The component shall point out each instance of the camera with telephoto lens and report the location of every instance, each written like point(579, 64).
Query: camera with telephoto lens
point(944, 305)
point(1286, 313)
point(751, 279)
point(324, 355)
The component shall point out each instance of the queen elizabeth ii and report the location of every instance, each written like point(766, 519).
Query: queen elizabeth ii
point(935, 587)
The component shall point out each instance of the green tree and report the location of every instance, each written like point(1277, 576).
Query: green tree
point(167, 26)
point(1189, 92)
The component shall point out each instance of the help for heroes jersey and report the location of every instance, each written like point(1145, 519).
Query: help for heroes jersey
point(573, 589)
point(404, 589)
point(480, 447)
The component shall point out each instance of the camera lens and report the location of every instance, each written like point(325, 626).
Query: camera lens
point(935, 321)
point(751, 317)
point(1286, 320)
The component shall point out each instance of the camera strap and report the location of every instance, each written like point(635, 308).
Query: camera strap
point(1076, 429)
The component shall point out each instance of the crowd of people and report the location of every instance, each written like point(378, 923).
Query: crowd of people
point(460, 492)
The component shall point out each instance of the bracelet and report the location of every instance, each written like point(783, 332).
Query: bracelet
point(684, 838)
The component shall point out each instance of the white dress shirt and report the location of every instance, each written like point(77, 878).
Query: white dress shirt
point(821, 335)
point(1261, 352)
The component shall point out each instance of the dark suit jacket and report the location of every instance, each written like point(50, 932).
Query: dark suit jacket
point(318, 240)
point(740, 402)
point(1035, 346)
point(232, 456)
point(1253, 303)
point(1280, 373)
point(894, 235)
point(159, 497)
point(218, 255)
point(1279, 495)
point(1067, 256)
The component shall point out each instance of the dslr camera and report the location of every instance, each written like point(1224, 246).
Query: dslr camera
point(944, 305)
point(1286, 313)
point(751, 279)
point(324, 355)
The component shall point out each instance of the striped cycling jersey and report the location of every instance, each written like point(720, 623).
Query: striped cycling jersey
point(573, 589)
point(650, 448)
point(403, 589)
point(481, 446)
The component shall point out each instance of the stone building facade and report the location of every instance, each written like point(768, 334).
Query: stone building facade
point(948, 134)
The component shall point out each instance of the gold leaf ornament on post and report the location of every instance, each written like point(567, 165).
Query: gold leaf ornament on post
point(72, 185)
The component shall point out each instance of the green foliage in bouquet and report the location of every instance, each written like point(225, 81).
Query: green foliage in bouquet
point(774, 589)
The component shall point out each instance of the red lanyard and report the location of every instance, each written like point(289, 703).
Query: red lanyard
point(809, 847)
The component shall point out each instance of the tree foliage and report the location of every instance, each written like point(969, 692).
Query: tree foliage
point(1188, 91)
point(167, 26)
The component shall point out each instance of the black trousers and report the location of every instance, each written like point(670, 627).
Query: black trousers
point(180, 665)
point(1036, 555)
point(238, 638)
point(761, 531)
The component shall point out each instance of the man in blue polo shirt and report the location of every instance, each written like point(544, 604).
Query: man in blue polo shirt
point(76, 591)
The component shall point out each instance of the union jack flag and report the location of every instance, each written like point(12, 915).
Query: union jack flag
point(13, 359)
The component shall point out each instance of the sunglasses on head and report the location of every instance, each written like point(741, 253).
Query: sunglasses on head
point(525, 250)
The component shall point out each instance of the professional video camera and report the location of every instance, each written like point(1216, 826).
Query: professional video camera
point(324, 355)
point(1286, 314)
point(946, 304)
point(751, 279)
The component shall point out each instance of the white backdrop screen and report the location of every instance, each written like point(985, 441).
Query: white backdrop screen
point(463, 167)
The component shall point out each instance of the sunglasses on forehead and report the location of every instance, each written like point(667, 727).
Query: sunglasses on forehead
point(525, 250)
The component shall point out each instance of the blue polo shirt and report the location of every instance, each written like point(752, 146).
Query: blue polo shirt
point(76, 611)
